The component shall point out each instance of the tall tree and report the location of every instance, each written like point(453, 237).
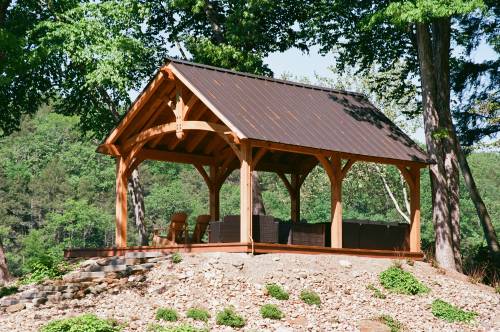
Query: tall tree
point(82, 56)
point(417, 34)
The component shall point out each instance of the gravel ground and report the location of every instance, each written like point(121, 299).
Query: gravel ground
point(216, 280)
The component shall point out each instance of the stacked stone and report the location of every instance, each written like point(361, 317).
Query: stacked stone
point(94, 276)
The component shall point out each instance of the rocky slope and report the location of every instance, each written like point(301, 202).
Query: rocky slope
point(217, 280)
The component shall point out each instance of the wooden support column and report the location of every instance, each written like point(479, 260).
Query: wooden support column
point(333, 168)
point(414, 229)
point(336, 203)
point(121, 203)
point(246, 203)
point(295, 198)
point(214, 194)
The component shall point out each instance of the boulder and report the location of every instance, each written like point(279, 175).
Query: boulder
point(369, 325)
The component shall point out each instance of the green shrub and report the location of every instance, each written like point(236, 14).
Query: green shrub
point(277, 292)
point(401, 281)
point(198, 314)
point(179, 328)
point(497, 289)
point(271, 311)
point(83, 323)
point(6, 291)
point(229, 317)
point(450, 313)
point(310, 297)
point(176, 258)
point(376, 292)
point(392, 323)
point(167, 314)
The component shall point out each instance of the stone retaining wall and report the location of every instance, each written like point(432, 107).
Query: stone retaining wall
point(93, 276)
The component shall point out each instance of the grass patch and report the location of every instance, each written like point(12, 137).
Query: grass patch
point(376, 292)
point(198, 314)
point(228, 317)
point(167, 314)
point(176, 258)
point(392, 323)
point(83, 323)
point(6, 291)
point(310, 297)
point(277, 292)
point(403, 282)
point(179, 328)
point(450, 313)
point(271, 311)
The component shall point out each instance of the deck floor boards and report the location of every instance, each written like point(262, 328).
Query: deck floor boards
point(257, 248)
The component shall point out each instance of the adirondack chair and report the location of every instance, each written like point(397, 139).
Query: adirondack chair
point(176, 232)
point(200, 228)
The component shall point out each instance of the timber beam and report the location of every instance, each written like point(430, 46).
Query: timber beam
point(326, 153)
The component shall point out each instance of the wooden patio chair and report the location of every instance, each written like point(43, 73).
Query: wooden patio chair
point(200, 228)
point(176, 232)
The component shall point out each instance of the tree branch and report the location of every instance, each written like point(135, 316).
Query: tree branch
point(391, 195)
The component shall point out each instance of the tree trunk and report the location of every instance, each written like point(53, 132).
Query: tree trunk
point(258, 202)
point(482, 212)
point(4, 270)
point(440, 203)
point(137, 194)
point(441, 31)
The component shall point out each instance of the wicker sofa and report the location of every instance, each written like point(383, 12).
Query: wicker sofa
point(357, 234)
point(365, 234)
point(265, 229)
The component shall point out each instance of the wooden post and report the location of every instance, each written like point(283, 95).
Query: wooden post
point(214, 194)
point(333, 169)
point(121, 203)
point(246, 193)
point(295, 198)
point(336, 203)
point(415, 211)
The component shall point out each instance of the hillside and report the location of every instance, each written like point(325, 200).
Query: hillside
point(214, 281)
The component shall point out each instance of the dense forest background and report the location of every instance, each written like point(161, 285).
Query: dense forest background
point(57, 192)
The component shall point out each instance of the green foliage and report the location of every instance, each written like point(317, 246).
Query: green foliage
point(400, 281)
point(6, 291)
point(392, 323)
point(167, 314)
point(310, 297)
point(198, 314)
point(404, 12)
point(271, 311)
point(176, 258)
point(229, 317)
point(179, 328)
point(450, 313)
point(83, 323)
point(277, 292)
point(376, 292)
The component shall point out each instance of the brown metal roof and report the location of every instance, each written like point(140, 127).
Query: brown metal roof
point(278, 111)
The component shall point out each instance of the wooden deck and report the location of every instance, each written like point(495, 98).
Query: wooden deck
point(257, 248)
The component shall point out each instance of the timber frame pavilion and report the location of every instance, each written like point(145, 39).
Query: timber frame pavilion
point(220, 120)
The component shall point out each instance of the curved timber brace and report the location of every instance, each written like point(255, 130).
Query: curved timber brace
point(293, 186)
